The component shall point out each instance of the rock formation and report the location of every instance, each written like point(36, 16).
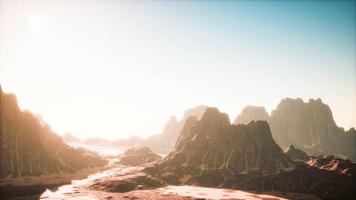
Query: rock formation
point(138, 156)
point(309, 126)
point(296, 154)
point(30, 148)
point(214, 153)
point(164, 142)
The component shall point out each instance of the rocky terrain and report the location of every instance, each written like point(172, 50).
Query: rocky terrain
point(138, 156)
point(30, 148)
point(296, 154)
point(212, 152)
point(309, 126)
point(330, 163)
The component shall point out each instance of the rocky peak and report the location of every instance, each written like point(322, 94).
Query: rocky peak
point(214, 119)
point(250, 113)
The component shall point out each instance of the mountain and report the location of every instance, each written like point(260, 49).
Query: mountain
point(212, 152)
point(95, 141)
point(128, 142)
point(252, 113)
point(164, 142)
point(68, 137)
point(309, 126)
point(30, 148)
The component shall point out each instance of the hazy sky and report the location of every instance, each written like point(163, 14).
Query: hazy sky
point(119, 68)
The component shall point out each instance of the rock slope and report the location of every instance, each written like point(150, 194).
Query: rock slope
point(30, 148)
point(307, 125)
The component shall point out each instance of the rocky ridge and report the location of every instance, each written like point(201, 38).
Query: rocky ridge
point(30, 148)
point(309, 126)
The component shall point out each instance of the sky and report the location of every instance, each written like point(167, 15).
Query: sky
point(113, 69)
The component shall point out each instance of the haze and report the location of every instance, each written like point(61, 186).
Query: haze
point(119, 68)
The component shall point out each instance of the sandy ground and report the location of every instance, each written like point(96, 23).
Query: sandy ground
point(178, 193)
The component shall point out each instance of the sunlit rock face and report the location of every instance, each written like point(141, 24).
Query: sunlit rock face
point(164, 142)
point(307, 125)
point(30, 148)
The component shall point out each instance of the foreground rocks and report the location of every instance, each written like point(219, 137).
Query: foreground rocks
point(212, 152)
point(138, 156)
point(309, 126)
point(30, 148)
point(330, 163)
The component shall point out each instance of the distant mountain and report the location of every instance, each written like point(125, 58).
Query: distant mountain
point(95, 141)
point(250, 113)
point(164, 142)
point(309, 126)
point(30, 148)
point(127, 142)
point(68, 137)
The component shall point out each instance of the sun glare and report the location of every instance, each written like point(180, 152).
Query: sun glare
point(37, 23)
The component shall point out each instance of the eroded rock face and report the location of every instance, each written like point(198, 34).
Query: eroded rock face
point(307, 125)
point(296, 154)
point(30, 148)
point(138, 156)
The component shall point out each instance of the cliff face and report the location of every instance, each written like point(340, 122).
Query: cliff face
point(30, 148)
point(164, 142)
point(309, 126)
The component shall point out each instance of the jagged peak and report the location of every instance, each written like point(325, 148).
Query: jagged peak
point(212, 114)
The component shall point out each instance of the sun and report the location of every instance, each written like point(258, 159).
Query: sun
point(37, 23)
